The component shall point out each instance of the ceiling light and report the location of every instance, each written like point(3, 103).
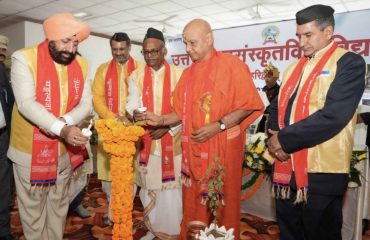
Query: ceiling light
point(81, 14)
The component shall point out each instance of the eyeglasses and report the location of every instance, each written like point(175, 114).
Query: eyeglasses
point(153, 52)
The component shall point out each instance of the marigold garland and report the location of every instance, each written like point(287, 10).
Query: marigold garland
point(119, 142)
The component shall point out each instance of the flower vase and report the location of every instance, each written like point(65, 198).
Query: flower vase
point(194, 228)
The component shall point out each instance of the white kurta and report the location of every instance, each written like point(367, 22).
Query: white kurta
point(162, 202)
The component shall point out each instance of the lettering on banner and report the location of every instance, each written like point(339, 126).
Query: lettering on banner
point(257, 74)
point(359, 46)
point(175, 59)
point(241, 53)
point(185, 59)
point(291, 49)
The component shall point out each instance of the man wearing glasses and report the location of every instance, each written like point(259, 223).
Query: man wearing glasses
point(109, 98)
point(159, 160)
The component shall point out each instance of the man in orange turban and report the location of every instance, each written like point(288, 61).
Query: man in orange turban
point(52, 95)
point(216, 100)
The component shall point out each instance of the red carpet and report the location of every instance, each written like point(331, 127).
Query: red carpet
point(252, 228)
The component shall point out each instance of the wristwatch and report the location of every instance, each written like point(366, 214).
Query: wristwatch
point(222, 125)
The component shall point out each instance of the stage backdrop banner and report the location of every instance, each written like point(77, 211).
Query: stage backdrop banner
point(257, 45)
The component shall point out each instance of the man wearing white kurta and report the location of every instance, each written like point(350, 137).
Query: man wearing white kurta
point(157, 175)
point(52, 93)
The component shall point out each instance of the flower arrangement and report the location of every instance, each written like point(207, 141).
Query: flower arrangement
point(254, 163)
point(214, 184)
point(119, 142)
point(354, 173)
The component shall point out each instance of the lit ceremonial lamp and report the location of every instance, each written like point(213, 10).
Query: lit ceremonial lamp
point(86, 131)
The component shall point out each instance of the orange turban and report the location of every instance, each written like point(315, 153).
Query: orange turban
point(65, 25)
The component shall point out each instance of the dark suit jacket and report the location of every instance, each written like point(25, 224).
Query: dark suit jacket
point(271, 94)
point(366, 118)
point(6, 97)
point(341, 103)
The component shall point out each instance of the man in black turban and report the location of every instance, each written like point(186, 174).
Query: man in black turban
point(158, 162)
point(154, 33)
point(316, 107)
point(314, 12)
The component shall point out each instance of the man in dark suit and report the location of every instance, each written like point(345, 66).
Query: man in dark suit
point(7, 100)
point(316, 118)
point(271, 75)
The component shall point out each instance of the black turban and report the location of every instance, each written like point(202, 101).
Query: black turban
point(120, 37)
point(312, 13)
point(154, 33)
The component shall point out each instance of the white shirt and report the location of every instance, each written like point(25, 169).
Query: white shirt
point(25, 96)
point(134, 101)
point(2, 117)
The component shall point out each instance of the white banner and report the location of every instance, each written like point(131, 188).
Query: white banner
point(257, 45)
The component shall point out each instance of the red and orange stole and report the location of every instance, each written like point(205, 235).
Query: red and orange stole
point(283, 170)
point(198, 166)
point(112, 86)
point(168, 173)
point(45, 149)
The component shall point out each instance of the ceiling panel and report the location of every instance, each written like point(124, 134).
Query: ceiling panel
point(144, 12)
point(122, 4)
point(166, 7)
point(100, 10)
point(76, 4)
point(109, 16)
point(123, 16)
point(194, 3)
point(14, 5)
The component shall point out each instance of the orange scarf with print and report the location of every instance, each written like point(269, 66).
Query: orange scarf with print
point(112, 86)
point(168, 173)
point(206, 117)
point(45, 149)
point(283, 170)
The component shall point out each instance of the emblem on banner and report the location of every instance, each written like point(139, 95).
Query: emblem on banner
point(269, 34)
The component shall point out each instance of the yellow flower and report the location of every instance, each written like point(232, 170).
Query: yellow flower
point(254, 159)
point(259, 149)
point(119, 143)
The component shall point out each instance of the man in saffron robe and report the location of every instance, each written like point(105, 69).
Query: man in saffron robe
point(159, 158)
point(316, 119)
point(216, 100)
point(53, 95)
point(110, 97)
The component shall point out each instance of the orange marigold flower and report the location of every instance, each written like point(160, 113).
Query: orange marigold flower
point(119, 142)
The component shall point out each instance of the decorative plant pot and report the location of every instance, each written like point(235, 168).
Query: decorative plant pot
point(194, 228)
point(216, 233)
